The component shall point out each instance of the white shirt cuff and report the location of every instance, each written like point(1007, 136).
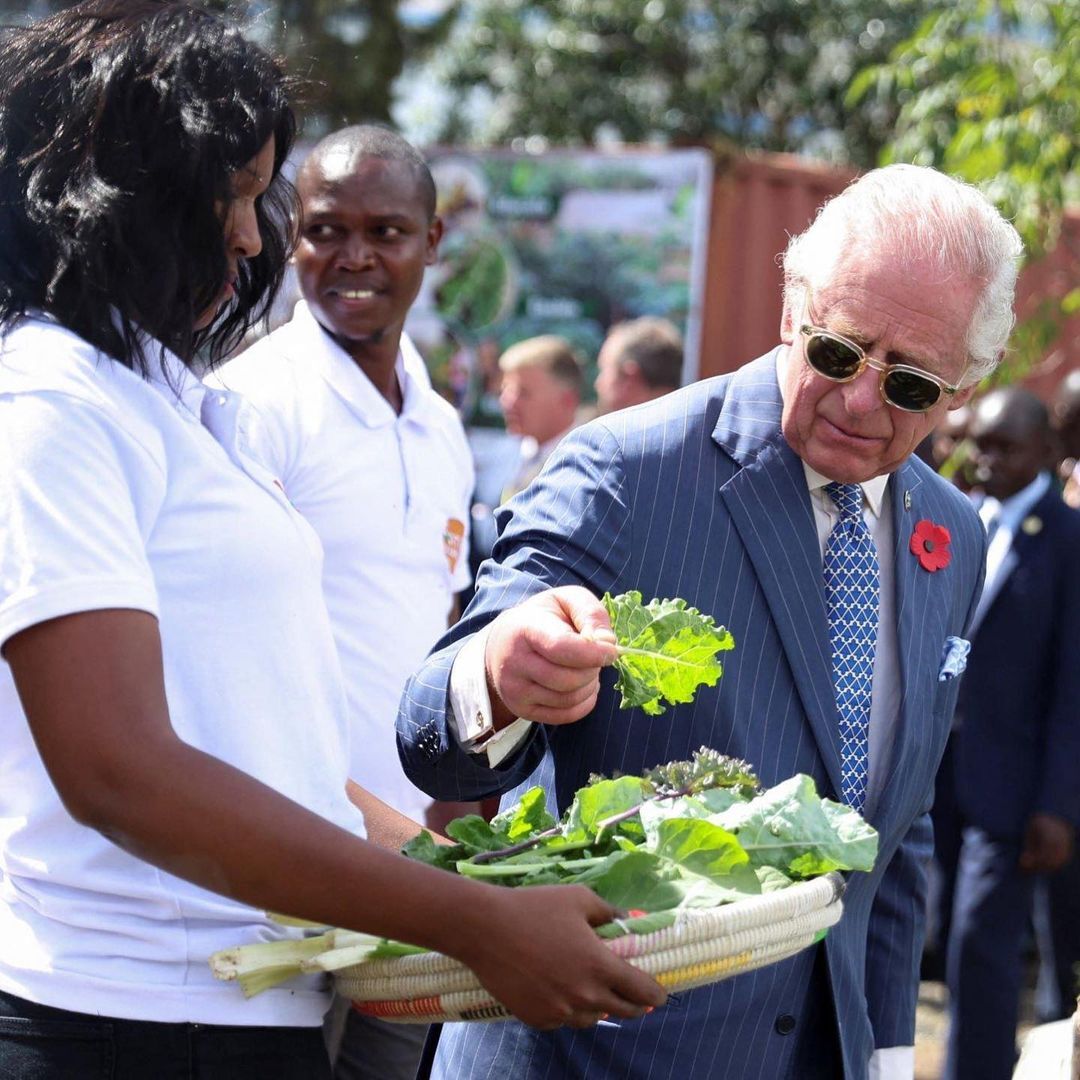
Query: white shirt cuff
point(470, 719)
point(893, 1063)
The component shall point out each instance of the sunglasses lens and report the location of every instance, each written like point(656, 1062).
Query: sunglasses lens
point(911, 391)
point(831, 358)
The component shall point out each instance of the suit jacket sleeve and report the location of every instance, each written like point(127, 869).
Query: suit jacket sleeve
point(570, 527)
point(897, 923)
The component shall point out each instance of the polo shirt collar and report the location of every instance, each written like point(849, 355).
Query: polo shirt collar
point(313, 345)
point(172, 378)
point(166, 372)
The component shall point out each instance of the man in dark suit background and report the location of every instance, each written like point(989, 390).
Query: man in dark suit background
point(735, 494)
point(1016, 745)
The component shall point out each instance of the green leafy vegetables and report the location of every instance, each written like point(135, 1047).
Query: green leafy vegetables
point(666, 650)
point(689, 834)
point(694, 833)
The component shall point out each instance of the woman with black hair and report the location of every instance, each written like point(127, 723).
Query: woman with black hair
point(172, 719)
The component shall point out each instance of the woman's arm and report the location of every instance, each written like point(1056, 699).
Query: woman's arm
point(92, 687)
point(386, 827)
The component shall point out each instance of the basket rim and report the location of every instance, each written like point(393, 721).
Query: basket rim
point(767, 912)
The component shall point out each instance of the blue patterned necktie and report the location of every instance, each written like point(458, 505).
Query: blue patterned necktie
point(851, 602)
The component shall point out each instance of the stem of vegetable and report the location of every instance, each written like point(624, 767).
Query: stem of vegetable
point(633, 811)
point(470, 869)
point(627, 650)
point(514, 849)
point(525, 845)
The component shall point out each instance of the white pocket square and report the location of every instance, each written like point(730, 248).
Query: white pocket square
point(954, 658)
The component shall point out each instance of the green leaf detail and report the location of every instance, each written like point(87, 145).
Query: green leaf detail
point(694, 864)
point(640, 924)
point(666, 651)
point(423, 849)
point(475, 834)
point(700, 847)
point(596, 803)
point(770, 879)
point(789, 827)
point(528, 817)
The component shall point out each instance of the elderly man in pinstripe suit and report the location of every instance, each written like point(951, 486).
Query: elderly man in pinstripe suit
point(760, 497)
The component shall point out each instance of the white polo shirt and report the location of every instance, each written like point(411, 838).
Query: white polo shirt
point(118, 492)
point(388, 495)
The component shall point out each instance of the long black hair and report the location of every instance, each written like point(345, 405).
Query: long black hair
point(121, 122)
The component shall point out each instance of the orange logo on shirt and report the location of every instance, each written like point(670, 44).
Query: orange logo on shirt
point(452, 537)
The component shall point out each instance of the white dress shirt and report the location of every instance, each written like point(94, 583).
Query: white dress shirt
point(885, 694)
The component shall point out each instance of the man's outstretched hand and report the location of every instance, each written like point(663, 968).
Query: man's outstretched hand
point(543, 657)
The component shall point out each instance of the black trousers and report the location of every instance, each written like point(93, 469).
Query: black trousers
point(38, 1042)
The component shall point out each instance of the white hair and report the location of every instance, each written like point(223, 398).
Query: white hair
point(920, 215)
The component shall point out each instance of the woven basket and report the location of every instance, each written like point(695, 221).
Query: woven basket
point(703, 945)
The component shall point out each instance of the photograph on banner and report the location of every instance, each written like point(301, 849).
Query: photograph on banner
point(564, 242)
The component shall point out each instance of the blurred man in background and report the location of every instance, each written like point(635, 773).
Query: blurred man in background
point(1016, 741)
point(541, 394)
point(640, 360)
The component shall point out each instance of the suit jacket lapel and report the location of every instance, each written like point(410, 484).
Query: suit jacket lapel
point(769, 504)
point(920, 623)
point(1009, 563)
point(993, 587)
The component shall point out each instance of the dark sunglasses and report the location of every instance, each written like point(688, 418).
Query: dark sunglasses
point(903, 387)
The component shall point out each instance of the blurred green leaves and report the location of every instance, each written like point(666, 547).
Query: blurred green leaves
point(990, 90)
point(346, 54)
point(770, 74)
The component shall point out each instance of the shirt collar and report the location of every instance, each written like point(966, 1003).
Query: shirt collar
point(349, 381)
point(172, 378)
point(531, 450)
point(873, 489)
point(1016, 507)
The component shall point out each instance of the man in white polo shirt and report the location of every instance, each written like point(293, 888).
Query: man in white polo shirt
point(343, 412)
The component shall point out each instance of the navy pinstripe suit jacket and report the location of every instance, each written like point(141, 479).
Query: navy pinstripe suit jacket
point(698, 495)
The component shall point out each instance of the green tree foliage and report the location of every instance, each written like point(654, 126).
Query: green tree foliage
point(760, 73)
point(347, 53)
point(990, 90)
point(351, 53)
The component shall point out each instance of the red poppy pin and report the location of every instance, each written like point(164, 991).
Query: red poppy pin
point(930, 544)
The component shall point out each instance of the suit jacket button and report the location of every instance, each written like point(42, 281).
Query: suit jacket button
point(785, 1024)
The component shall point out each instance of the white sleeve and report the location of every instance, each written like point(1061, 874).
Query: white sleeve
point(78, 498)
point(470, 707)
point(893, 1063)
